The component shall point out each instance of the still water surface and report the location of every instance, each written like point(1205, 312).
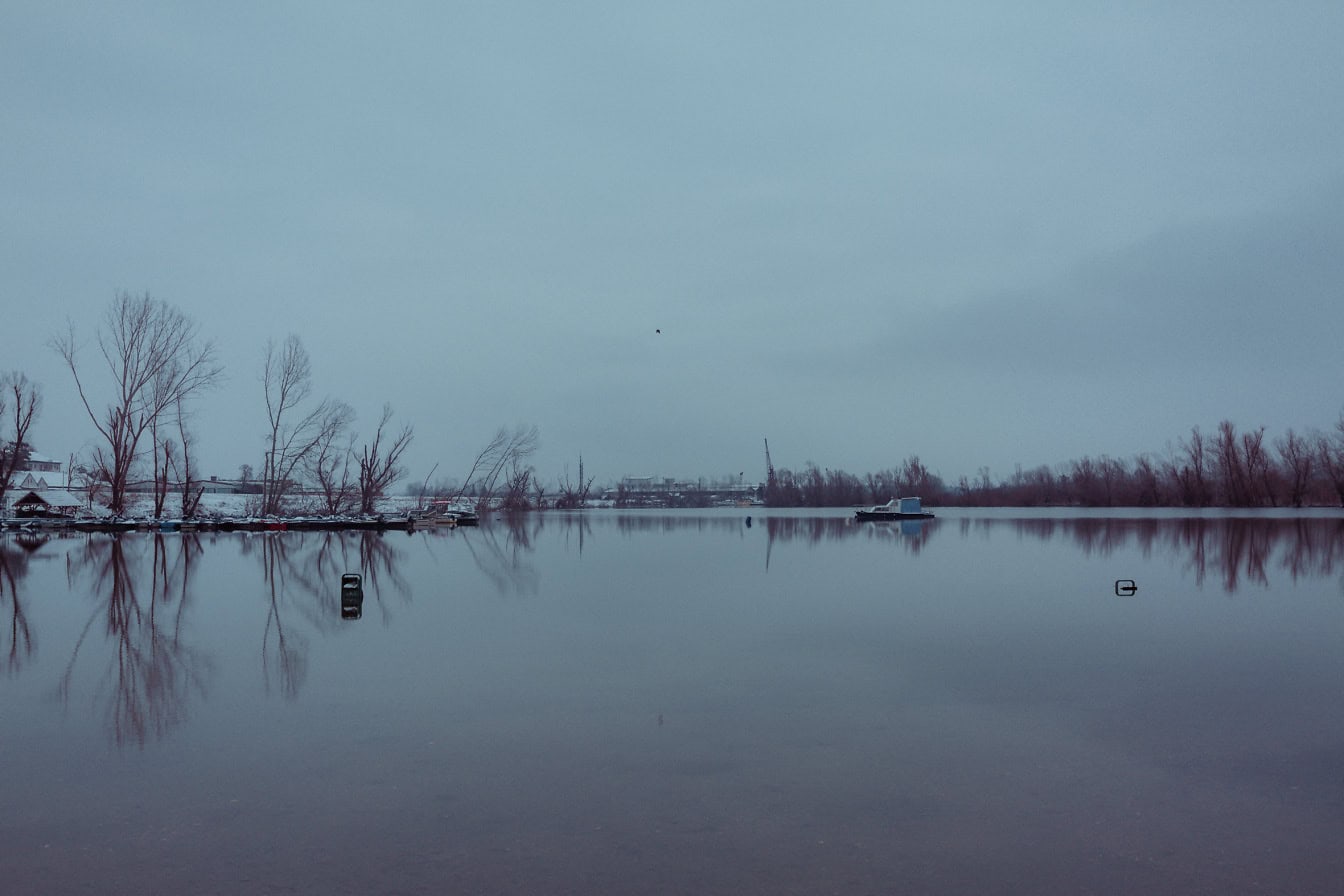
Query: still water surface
point(680, 703)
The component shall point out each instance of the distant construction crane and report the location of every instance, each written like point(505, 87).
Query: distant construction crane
point(769, 470)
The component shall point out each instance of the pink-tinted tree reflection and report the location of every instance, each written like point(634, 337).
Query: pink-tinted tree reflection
point(152, 675)
point(302, 571)
point(284, 651)
point(1240, 551)
point(18, 638)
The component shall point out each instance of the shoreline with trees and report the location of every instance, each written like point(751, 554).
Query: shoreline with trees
point(1227, 468)
point(157, 365)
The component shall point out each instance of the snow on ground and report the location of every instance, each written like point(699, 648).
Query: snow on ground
point(246, 505)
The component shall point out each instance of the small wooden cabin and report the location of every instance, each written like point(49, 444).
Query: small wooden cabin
point(46, 503)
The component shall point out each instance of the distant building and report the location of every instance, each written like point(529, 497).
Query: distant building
point(43, 464)
point(212, 486)
point(652, 484)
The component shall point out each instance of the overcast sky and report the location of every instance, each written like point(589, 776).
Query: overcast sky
point(988, 234)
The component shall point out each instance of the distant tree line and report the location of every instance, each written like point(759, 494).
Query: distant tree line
point(1226, 468)
point(814, 487)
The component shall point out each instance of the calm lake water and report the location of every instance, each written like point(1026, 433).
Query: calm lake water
point(694, 702)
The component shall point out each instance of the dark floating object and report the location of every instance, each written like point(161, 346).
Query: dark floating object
point(657, 331)
point(352, 595)
point(1125, 588)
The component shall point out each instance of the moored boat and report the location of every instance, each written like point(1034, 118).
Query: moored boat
point(895, 509)
point(445, 513)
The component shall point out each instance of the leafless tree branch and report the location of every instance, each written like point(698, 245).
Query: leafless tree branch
point(379, 464)
point(290, 446)
point(154, 360)
point(20, 402)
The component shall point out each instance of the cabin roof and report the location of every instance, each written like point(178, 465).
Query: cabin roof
point(48, 498)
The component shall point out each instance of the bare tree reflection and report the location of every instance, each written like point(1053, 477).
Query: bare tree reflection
point(13, 569)
point(1314, 547)
point(302, 572)
point(648, 522)
point(1239, 551)
point(576, 526)
point(1191, 540)
point(380, 560)
point(1242, 550)
point(152, 674)
point(284, 654)
point(503, 561)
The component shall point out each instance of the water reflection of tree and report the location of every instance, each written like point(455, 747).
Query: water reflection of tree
point(576, 527)
point(632, 523)
point(284, 653)
point(810, 529)
point(909, 535)
point(13, 569)
point(1314, 549)
point(500, 551)
point(152, 674)
point(1241, 550)
point(380, 561)
point(302, 571)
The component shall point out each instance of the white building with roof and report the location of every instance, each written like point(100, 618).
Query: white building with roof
point(40, 474)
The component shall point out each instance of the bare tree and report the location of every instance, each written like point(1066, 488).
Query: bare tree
point(1330, 455)
point(330, 469)
point(165, 462)
point(379, 463)
point(20, 402)
point(1243, 466)
point(573, 495)
point(288, 381)
point(1231, 473)
point(155, 360)
point(1193, 475)
point(190, 491)
point(1086, 482)
point(507, 448)
point(1147, 483)
point(86, 477)
point(915, 478)
point(1298, 461)
point(517, 485)
point(1263, 480)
